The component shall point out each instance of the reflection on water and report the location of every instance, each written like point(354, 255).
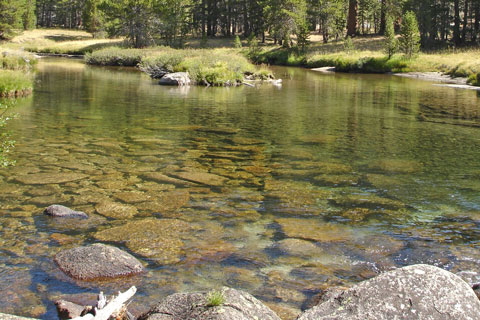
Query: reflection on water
point(282, 192)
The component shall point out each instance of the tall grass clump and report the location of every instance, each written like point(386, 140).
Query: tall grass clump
point(215, 299)
point(115, 57)
point(15, 83)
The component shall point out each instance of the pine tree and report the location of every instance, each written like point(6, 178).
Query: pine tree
point(29, 18)
point(391, 43)
point(410, 40)
point(91, 16)
point(10, 17)
point(237, 43)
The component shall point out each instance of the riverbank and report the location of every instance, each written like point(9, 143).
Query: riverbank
point(364, 56)
point(452, 63)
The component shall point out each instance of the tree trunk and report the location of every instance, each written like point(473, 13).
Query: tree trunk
point(476, 26)
point(456, 27)
point(465, 22)
point(383, 17)
point(352, 18)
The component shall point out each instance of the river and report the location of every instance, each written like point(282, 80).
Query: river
point(278, 190)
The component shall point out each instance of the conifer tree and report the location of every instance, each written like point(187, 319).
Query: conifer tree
point(10, 17)
point(391, 43)
point(410, 40)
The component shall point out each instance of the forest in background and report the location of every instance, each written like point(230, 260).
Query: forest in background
point(441, 23)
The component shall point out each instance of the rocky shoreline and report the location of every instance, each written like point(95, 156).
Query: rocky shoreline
point(413, 292)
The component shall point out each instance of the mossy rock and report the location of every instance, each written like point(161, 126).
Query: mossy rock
point(157, 239)
point(309, 229)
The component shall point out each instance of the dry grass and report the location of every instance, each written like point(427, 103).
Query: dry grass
point(60, 41)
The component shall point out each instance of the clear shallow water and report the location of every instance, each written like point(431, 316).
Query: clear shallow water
point(325, 181)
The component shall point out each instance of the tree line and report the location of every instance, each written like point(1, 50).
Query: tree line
point(145, 22)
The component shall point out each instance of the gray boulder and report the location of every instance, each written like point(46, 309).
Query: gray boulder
point(68, 310)
point(237, 305)
point(414, 292)
point(97, 261)
point(175, 79)
point(60, 211)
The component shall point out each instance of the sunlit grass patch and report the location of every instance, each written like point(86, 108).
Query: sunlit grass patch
point(15, 83)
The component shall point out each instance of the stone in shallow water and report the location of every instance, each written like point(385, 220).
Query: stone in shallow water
point(49, 178)
point(296, 197)
point(64, 212)
point(298, 247)
point(165, 202)
point(131, 196)
point(413, 292)
point(238, 305)
point(97, 261)
point(115, 210)
point(202, 178)
point(337, 180)
point(310, 229)
point(158, 239)
point(161, 178)
point(396, 166)
point(317, 139)
point(367, 201)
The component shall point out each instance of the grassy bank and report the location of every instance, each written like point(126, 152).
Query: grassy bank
point(368, 57)
point(211, 67)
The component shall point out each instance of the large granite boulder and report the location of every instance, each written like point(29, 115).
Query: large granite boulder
point(60, 211)
point(97, 261)
point(175, 79)
point(414, 292)
point(236, 305)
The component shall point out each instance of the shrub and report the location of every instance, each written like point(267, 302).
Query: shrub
point(474, 79)
point(348, 45)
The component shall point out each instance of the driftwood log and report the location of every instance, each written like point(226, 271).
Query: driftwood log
point(106, 310)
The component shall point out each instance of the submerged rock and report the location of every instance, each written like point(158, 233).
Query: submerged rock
point(56, 210)
point(97, 261)
point(209, 179)
point(309, 229)
point(175, 79)
point(367, 201)
point(158, 239)
point(413, 292)
point(115, 210)
point(49, 178)
point(396, 166)
point(236, 305)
